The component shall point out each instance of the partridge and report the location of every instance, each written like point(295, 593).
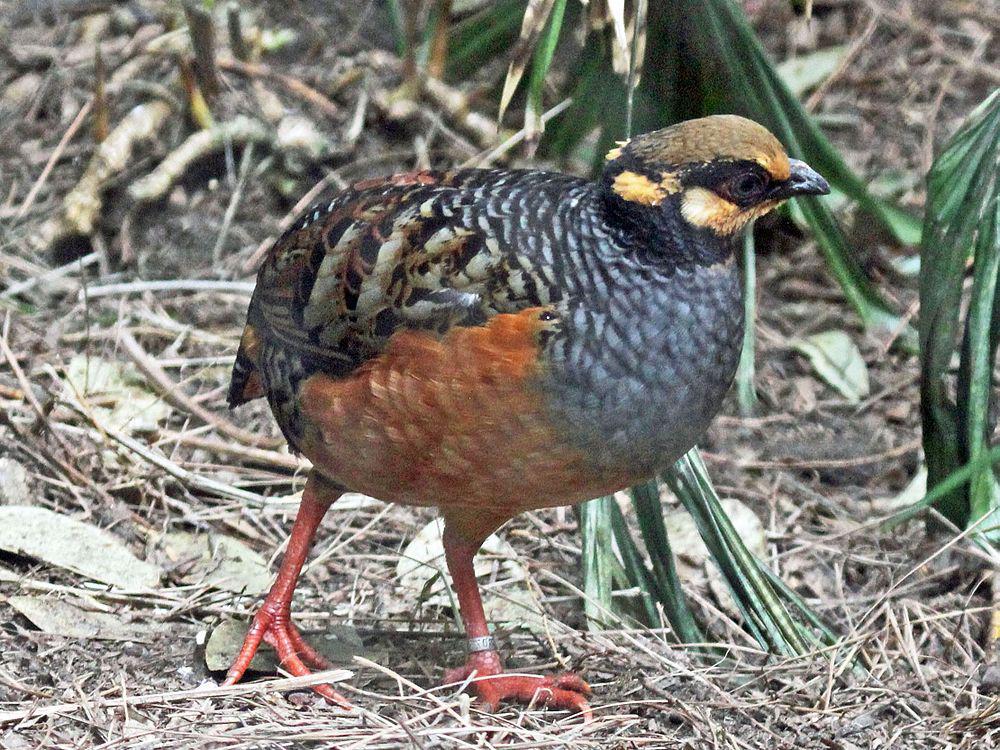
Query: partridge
point(492, 341)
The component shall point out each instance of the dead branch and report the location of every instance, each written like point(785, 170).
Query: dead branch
point(82, 206)
point(239, 131)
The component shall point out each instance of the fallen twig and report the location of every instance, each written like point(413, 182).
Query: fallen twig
point(57, 152)
point(818, 463)
point(239, 130)
point(167, 285)
point(176, 397)
point(82, 206)
point(254, 261)
point(45, 279)
point(252, 455)
point(187, 478)
point(234, 202)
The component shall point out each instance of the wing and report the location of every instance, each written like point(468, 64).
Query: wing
point(426, 251)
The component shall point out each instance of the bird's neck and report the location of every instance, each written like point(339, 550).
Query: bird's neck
point(661, 235)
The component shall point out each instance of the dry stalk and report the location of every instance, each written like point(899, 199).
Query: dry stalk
point(238, 131)
point(237, 42)
point(202, 30)
point(101, 126)
point(166, 285)
point(82, 206)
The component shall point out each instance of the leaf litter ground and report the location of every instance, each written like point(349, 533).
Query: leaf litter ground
point(113, 417)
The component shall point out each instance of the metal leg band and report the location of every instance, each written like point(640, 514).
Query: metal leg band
point(482, 643)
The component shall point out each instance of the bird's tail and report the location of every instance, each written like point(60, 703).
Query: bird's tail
point(246, 384)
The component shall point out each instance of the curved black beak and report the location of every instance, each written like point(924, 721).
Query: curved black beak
point(803, 180)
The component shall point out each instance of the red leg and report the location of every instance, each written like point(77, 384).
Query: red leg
point(273, 621)
point(566, 691)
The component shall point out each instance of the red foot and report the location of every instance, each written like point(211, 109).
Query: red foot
point(565, 691)
point(273, 624)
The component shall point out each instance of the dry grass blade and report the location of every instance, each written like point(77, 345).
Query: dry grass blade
point(202, 29)
point(57, 152)
point(535, 17)
point(177, 696)
point(151, 368)
point(616, 10)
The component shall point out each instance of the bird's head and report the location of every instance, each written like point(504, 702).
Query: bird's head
point(716, 173)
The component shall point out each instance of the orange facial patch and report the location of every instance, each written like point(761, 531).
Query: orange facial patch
point(703, 208)
point(638, 188)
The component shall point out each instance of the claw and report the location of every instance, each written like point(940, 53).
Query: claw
point(566, 691)
point(273, 625)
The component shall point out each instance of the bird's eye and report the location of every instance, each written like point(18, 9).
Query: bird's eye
point(744, 188)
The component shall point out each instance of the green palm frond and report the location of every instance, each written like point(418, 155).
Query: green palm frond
point(962, 221)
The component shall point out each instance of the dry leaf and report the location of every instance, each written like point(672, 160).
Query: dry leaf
point(73, 545)
point(115, 393)
point(69, 618)
point(808, 71)
point(915, 490)
point(535, 16)
point(338, 643)
point(837, 360)
point(215, 560)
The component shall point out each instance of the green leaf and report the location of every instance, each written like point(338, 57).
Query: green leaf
point(746, 393)
point(978, 357)
point(483, 36)
point(598, 560)
point(540, 68)
point(666, 583)
point(948, 484)
point(765, 615)
point(960, 218)
point(634, 567)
